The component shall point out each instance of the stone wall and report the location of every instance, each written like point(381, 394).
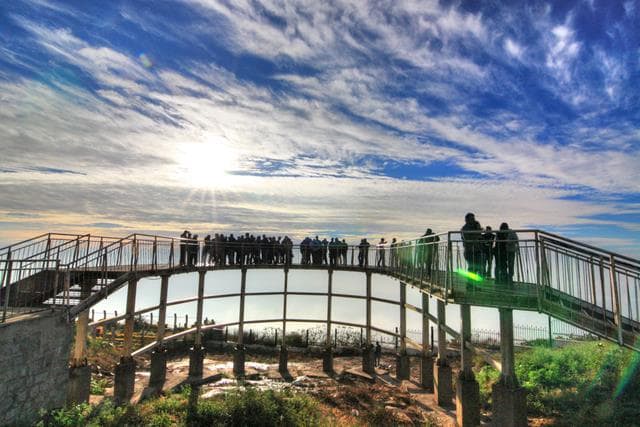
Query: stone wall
point(34, 365)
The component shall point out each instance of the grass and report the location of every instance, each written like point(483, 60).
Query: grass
point(237, 408)
point(582, 383)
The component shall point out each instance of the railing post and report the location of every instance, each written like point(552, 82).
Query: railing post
point(615, 296)
point(7, 285)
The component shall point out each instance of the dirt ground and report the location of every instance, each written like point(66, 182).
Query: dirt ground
point(351, 396)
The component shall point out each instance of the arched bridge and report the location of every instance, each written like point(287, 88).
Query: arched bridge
point(582, 285)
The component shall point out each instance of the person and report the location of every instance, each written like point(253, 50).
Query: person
point(183, 246)
point(381, 254)
point(471, 232)
point(363, 253)
point(325, 249)
point(344, 249)
point(430, 250)
point(488, 239)
point(377, 354)
point(505, 254)
point(393, 253)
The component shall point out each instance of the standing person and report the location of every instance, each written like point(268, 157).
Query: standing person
point(471, 232)
point(377, 354)
point(183, 247)
point(511, 249)
point(488, 239)
point(393, 253)
point(325, 249)
point(430, 241)
point(500, 252)
point(344, 251)
point(381, 253)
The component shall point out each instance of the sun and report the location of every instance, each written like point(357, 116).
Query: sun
point(207, 163)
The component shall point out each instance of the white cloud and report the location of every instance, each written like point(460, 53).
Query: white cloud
point(513, 48)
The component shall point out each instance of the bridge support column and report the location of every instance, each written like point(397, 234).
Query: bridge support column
point(327, 355)
point(442, 386)
point(368, 357)
point(467, 388)
point(283, 360)
point(79, 371)
point(159, 355)
point(509, 399)
point(239, 349)
point(125, 372)
point(426, 361)
point(197, 352)
point(284, 354)
point(402, 359)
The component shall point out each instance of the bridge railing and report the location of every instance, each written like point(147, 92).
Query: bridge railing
point(578, 283)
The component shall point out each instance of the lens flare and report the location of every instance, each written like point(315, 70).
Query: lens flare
point(146, 61)
point(469, 275)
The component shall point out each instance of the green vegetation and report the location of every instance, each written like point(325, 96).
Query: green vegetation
point(240, 407)
point(592, 383)
point(98, 385)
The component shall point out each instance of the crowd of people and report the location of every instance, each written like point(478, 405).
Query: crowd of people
point(482, 247)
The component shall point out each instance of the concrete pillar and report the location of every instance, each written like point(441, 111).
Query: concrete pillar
point(238, 360)
point(426, 361)
point(284, 354)
point(329, 293)
point(368, 356)
point(79, 372)
point(509, 399)
point(327, 359)
point(402, 359)
point(79, 386)
point(162, 312)
point(368, 359)
point(284, 358)
point(125, 372)
point(198, 338)
point(239, 349)
point(442, 386)
point(129, 319)
point(467, 388)
point(196, 359)
point(158, 369)
point(124, 380)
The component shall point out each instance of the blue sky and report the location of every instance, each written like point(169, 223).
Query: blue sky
point(378, 118)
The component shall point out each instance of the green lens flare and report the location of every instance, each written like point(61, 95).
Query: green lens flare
point(469, 275)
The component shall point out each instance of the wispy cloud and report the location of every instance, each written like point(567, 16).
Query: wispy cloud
point(518, 113)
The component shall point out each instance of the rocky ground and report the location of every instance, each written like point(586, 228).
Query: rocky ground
point(349, 396)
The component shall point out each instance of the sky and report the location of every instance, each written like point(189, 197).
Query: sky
point(335, 118)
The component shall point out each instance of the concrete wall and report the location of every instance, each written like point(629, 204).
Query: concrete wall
point(34, 365)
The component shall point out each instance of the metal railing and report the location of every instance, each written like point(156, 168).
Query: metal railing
point(533, 270)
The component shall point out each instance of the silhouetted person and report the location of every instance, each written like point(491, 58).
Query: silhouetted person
point(430, 250)
point(377, 354)
point(183, 247)
point(381, 253)
point(363, 253)
point(393, 253)
point(471, 232)
point(488, 239)
point(506, 247)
